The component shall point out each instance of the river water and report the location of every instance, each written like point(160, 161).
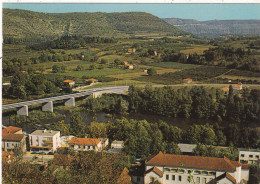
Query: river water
point(88, 117)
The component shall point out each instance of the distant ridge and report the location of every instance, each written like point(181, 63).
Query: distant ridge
point(215, 28)
point(22, 23)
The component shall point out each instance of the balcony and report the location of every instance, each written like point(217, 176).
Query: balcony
point(48, 141)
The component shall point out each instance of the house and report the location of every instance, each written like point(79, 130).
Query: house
point(236, 88)
point(129, 66)
point(86, 144)
point(71, 83)
point(124, 177)
point(44, 140)
point(131, 50)
point(248, 156)
point(187, 149)
point(187, 81)
point(117, 144)
point(13, 137)
point(90, 81)
point(168, 168)
point(239, 86)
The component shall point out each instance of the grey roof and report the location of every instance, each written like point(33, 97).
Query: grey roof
point(45, 132)
point(187, 147)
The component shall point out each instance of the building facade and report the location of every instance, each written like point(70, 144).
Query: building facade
point(12, 138)
point(248, 156)
point(86, 144)
point(44, 140)
point(117, 144)
point(183, 169)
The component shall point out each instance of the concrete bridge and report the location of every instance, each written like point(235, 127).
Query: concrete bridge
point(48, 102)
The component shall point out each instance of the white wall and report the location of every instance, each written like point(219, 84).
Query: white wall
point(38, 140)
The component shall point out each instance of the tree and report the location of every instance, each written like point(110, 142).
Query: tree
point(151, 72)
point(76, 125)
point(80, 68)
point(173, 148)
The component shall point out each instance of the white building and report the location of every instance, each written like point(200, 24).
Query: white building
point(117, 144)
point(248, 156)
point(45, 140)
point(86, 144)
point(183, 169)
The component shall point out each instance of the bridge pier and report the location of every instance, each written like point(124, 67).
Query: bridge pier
point(70, 102)
point(23, 111)
point(48, 106)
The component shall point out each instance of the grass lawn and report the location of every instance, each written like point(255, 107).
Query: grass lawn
point(95, 73)
point(199, 49)
point(121, 83)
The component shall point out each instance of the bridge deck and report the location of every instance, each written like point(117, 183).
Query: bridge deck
point(119, 89)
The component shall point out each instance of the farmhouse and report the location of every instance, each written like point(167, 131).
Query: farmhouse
point(90, 81)
point(131, 50)
point(187, 81)
point(45, 140)
point(86, 144)
point(236, 88)
point(12, 137)
point(70, 82)
point(167, 168)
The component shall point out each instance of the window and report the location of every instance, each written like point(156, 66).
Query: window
point(173, 177)
point(250, 156)
point(179, 178)
point(189, 171)
point(204, 180)
point(205, 172)
point(196, 172)
point(257, 156)
point(7, 144)
point(167, 176)
point(242, 155)
point(198, 180)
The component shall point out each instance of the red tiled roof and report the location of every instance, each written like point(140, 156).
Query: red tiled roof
point(236, 163)
point(124, 177)
point(228, 176)
point(213, 163)
point(12, 137)
point(245, 166)
point(225, 89)
point(11, 129)
point(85, 141)
point(188, 79)
point(68, 81)
point(156, 170)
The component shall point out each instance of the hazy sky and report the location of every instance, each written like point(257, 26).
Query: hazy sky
point(186, 11)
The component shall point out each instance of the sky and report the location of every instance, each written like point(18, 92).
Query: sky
point(186, 11)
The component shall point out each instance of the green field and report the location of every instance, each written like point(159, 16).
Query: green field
point(173, 65)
